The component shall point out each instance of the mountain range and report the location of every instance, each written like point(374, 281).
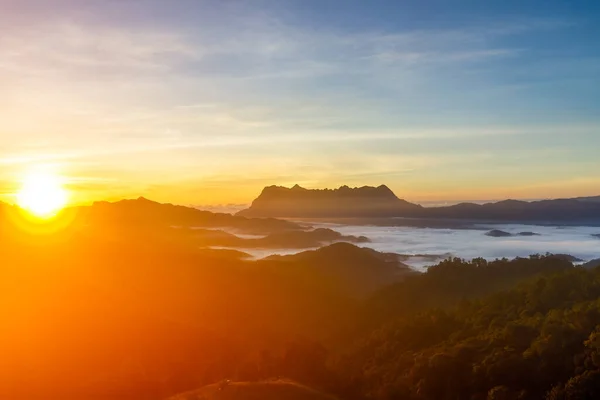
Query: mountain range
point(372, 202)
point(366, 201)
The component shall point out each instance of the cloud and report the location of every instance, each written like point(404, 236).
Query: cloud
point(243, 46)
point(245, 91)
point(72, 50)
point(254, 140)
point(444, 57)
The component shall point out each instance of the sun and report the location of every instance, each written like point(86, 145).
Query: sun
point(42, 193)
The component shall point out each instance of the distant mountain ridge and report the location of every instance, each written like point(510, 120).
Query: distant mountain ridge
point(368, 201)
point(143, 211)
point(279, 201)
point(593, 199)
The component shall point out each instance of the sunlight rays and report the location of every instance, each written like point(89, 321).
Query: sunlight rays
point(42, 193)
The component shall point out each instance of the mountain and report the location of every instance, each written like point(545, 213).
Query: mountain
point(356, 270)
point(561, 210)
point(142, 211)
point(592, 264)
point(279, 240)
point(303, 239)
point(113, 312)
point(366, 201)
point(593, 199)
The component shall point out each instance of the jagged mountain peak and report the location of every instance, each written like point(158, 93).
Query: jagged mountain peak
point(344, 201)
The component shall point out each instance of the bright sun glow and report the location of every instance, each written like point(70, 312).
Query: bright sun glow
point(42, 194)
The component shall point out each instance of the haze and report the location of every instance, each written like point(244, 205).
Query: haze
point(206, 102)
point(299, 200)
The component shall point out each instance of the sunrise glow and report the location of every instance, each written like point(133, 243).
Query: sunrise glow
point(42, 193)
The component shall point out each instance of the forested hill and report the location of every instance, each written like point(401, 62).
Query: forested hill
point(346, 202)
point(142, 212)
point(538, 340)
point(146, 313)
point(523, 329)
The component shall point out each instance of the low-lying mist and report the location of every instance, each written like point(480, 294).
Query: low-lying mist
point(466, 243)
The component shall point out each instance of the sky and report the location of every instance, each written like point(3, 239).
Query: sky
point(206, 102)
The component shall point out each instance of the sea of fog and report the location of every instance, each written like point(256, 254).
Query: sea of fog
point(467, 243)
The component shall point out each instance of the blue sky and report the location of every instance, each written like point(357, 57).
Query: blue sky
point(207, 101)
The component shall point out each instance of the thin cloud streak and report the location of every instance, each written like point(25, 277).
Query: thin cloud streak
point(165, 100)
point(314, 137)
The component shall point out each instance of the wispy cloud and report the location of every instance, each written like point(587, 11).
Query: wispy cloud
point(250, 92)
point(73, 49)
point(444, 57)
point(259, 47)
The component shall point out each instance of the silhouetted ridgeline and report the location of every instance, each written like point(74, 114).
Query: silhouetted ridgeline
point(363, 202)
point(144, 211)
point(595, 199)
point(344, 264)
point(147, 217)
point(276, 201)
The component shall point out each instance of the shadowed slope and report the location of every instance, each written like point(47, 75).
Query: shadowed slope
point(355, 270)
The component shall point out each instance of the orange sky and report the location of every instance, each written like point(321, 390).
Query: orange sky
point(208, 105)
